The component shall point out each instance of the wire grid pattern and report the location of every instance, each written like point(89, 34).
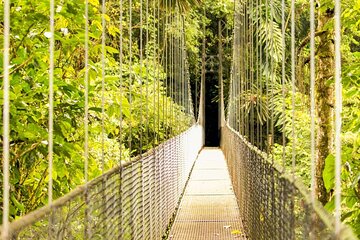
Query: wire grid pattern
point(134, 201)
point(273, 205)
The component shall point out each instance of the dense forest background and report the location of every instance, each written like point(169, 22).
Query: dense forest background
point(29, 91)
point(133, 121)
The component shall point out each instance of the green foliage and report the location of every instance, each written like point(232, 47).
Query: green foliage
point(133, 120)
point(350, 174)
point(299, 138)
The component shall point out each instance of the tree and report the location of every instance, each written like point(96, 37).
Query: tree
point(324, 94)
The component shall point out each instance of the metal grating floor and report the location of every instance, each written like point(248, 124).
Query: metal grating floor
point(208, 210)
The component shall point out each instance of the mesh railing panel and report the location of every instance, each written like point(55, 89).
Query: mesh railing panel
point(272, 205)
point(134, 201)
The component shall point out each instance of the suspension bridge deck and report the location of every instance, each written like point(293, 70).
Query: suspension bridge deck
point(208, 209)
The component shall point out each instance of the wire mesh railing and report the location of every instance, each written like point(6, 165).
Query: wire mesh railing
point(273, 204)
point(132, 201)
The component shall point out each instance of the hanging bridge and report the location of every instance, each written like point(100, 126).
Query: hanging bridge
point(175, 188)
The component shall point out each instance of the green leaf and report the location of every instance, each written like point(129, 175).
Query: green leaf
point(330, 206)
point(126, 107)
point(95, 109)
point(17, 203)
point(329, 172)
point(111, 49)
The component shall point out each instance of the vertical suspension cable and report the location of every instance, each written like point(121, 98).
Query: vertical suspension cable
point(261, 81)
point(258, 73)
point(243, 68)
point(180, 67)
point(221, 89)
point(242, 82)
point(272, 80)
point(293, 84)
point(171, 70)
point(131, 80)
point(251, 122)
point(172, 60)
point(256, 67)
point(203, 74)
point(230, 111)
point(239, 68)
point(165, 67)
point(103, 11)
point(245, 80)
point(121, 86)
point(86, 119)
point(121, 79)
point(246, 94)
point(230, 98)
point(154, 65)
point(6, 123)
point(147, 134)
point(267, 81)
point(130, 77)
point(51, 99)
point(233, 103)
point(154, 142)
point(272, 85)
point(196, 93)
point(183, 63)
point(164, 95)
point(239, 48)
point(141, 73)
point(338, 120)
point(103, 38)
point(234, 110)
point(258, 93)
point(158, 114)
point(251, 72)
point(176, 64)
point(147, 72)
point(186, 77)
point(158, 74)
point(172, 94)
point(283, 81)
point(229, 105)
point(86, 84)
point(141, 122)
point(191, 106)
point(312, 97)
point(51, 112)
point(248, 68)
point(179, 64)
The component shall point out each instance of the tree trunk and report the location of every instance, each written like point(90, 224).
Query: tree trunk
point(324, 100)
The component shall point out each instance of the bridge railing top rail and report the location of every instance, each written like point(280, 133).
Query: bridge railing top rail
point(119, 202)
point(309, 218)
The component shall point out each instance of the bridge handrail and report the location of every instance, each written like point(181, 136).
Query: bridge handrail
point(177, 152)
point(319, 224)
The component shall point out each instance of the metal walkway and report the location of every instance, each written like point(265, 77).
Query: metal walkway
point(208, 209)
